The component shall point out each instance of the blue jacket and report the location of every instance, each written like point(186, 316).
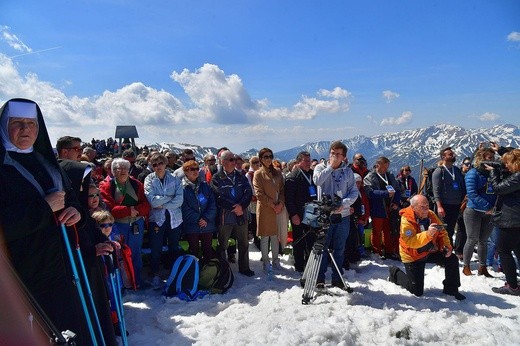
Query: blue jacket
point(378, 194)
point(199, 203)
point(167, 196)
point(230, 190)
point(481, 196)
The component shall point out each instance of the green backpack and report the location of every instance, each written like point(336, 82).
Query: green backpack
point(216, 276)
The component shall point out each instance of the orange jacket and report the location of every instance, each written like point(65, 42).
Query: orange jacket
point(415, 244)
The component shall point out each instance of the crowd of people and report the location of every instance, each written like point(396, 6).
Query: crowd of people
point(108, 200)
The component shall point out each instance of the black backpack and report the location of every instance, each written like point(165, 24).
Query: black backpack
point(216, 276)
point(426, 187)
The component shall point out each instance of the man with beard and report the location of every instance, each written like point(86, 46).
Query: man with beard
point(449, 190)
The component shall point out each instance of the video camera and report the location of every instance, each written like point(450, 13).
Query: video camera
point(495, 164)
point(318, 214)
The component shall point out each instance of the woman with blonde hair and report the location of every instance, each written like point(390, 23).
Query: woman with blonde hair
point(507, 217)
point(477, 215)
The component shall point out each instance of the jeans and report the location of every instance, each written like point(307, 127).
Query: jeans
point(135, 242)
point(157, 234)
point(492, 247)
point(337, 235)
point(478, 228)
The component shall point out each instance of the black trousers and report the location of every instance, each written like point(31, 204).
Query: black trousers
point(508, 241)
point(413, 279)
point(303, 240)
point(452, 214)
point(461, 237)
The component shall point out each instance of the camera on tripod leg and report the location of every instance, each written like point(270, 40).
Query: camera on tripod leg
point(318, 214)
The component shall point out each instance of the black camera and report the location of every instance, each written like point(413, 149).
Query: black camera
point(318, 214)
point(494, 164)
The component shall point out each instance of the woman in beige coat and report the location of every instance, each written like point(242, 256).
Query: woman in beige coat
point(269, 190)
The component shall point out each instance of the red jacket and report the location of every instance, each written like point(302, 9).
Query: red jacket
point(119, 211)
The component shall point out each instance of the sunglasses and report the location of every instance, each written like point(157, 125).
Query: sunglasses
point(267, 157)
point(255, 162)
point(92, 195)
point(76, 149)
point(157, 164)
point(193, 169)
point(407, 170)
point(231, 159)
point(467, 164)
point(105, 225)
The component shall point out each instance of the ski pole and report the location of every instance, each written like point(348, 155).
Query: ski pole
point(120, 305)
point(87, 285)
point(78, 284)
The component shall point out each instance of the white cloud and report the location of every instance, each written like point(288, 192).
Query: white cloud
point(132, 104)
point(405, 118)
point(223, 99)
point(216, 96)
point(390, 96)
point(13, 41)
point(488, 117)
point(514, 36)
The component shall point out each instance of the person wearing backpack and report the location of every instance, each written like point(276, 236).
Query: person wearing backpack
point(449, 190)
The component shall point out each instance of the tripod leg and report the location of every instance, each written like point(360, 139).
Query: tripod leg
point(345, 284)
point(311, 270)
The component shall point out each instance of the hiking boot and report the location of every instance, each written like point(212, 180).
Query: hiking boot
point(482, 270)
point(393, 274)
point(339, 284)
point(466, 271)
point(265, 267)
point(157, 282)
point(248, 272)
point(506, 289)
point(320, 284)
point(456, 294)
point(277, 266)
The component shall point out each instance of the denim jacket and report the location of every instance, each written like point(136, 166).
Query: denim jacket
point(164, 196)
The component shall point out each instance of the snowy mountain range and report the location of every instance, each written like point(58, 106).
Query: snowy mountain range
point(406, 147)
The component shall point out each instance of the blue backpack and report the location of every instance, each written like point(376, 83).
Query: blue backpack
point(184, 279)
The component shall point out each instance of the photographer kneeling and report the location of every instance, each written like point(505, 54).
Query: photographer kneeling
point(424, 240)
point(335, 178)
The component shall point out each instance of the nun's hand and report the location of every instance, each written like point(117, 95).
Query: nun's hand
point(56, 200)
point(69, 216)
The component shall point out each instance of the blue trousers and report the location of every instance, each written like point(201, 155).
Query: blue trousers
point(135, 242)
point(337, 235)
point(157, 234)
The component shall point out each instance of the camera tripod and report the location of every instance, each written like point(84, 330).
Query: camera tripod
point(311, 271)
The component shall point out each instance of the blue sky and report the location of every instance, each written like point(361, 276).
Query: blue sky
point(249, 74)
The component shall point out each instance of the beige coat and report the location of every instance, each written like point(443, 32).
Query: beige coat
point(268, 190)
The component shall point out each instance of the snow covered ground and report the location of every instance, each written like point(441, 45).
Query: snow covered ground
point(256, 311)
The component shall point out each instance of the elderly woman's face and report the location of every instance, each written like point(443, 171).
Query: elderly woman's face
point(23, 132)
point(121, 174)
point(192, 173)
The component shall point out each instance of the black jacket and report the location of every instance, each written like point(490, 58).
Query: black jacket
point(508, 203)
point(32, 237)
point(297, 192)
